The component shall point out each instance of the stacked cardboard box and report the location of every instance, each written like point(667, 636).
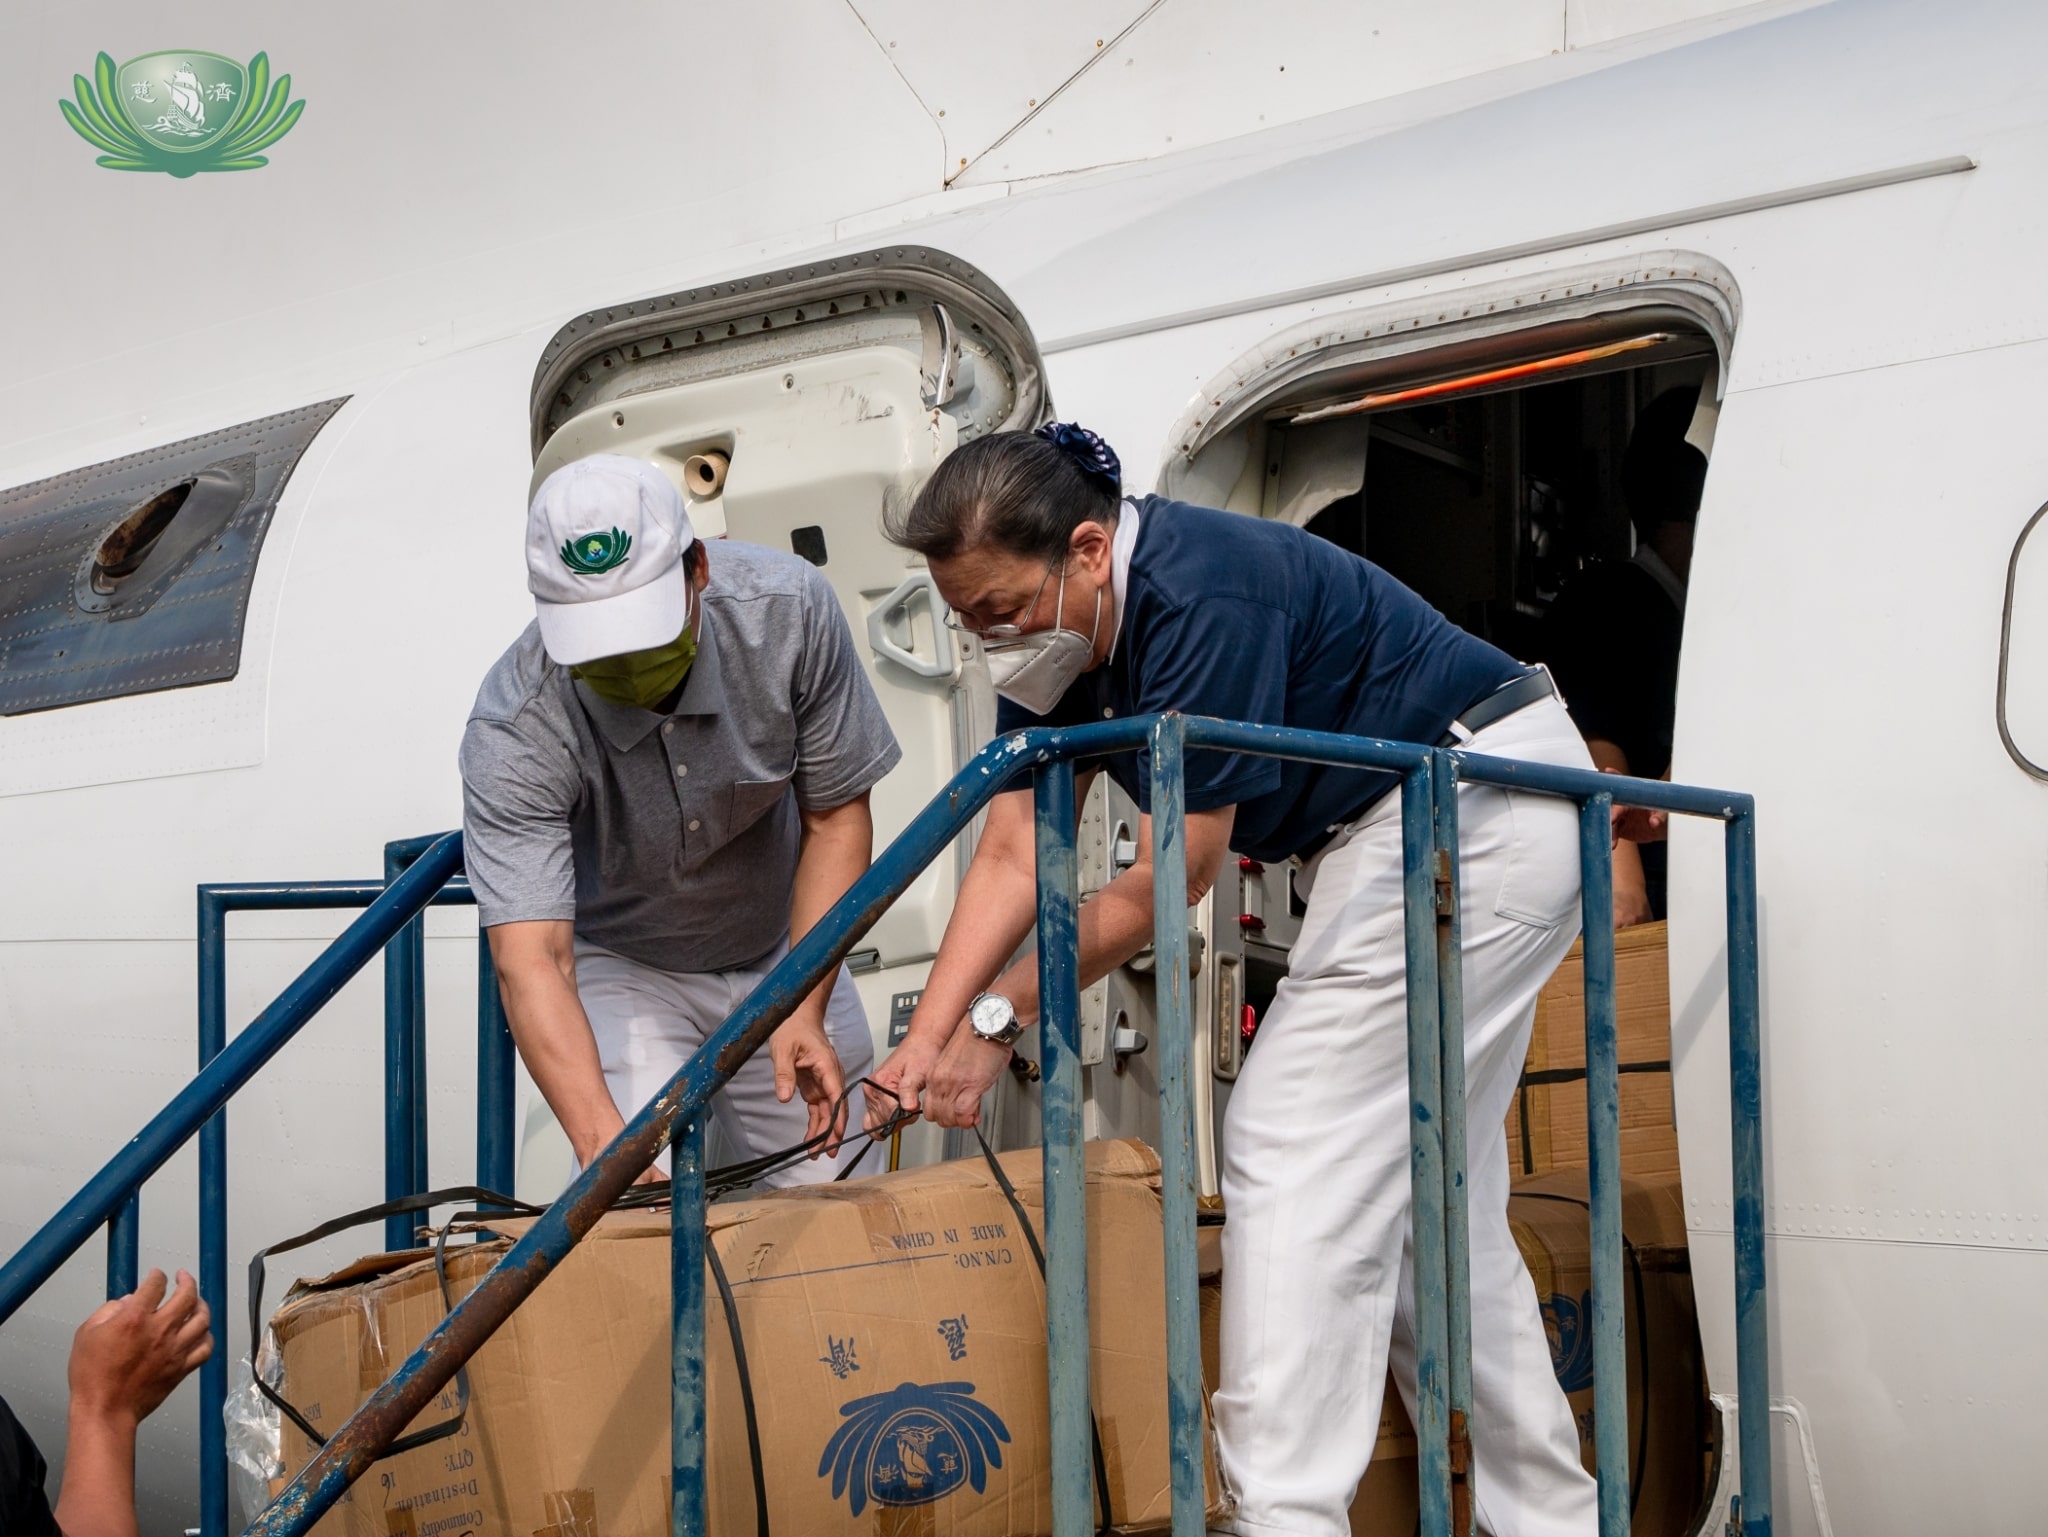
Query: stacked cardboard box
point(1667, 1402)
point(1547, 1122)
point(894, 1335)
point(894, 1339)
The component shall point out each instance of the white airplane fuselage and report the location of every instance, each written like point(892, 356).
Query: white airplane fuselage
point(1851, 196)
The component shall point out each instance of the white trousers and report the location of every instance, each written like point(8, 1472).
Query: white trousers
point(650, 1022)
point(1318, 1279)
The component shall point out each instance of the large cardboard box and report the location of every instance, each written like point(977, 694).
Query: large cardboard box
point(1668, 1429)
point(894, 1335)
point(1546, 1124)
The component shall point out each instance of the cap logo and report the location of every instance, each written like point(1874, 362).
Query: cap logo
point(595, 554)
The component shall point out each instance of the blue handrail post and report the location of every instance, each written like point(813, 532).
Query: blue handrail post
point(1450, 995)
point(495, 1088)
point(1175, 1029)
point(420, 1180)
point(1426, 1152)
point(1066, 1189)
point(689, 1512)
point(1746, 1115)
point(1603, 1165)
point(213, 1221)
point(398, 857)
point(404, 1067)
point(124, 1248)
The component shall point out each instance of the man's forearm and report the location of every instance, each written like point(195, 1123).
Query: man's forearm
point(1113, 925)
point(997, 908)
point(994, 910)
point(555, 1042)
point(98, 1496)
point(837, 849)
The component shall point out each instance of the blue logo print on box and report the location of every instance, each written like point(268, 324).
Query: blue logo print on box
point(1571, 1346)
point(911, 1445)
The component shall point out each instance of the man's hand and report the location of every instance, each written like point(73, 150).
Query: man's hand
point(125, 1359)
point(904, 1075)
point(1639, 824)
point(132, 1351)
point(838, 842)
point(966, 1071)
point(806, 1064)
point(1632, 824)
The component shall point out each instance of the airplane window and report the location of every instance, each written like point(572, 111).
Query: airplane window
point(134, 575)
point(2023, 652)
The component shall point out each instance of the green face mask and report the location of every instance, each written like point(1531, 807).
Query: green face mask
point(641, 678)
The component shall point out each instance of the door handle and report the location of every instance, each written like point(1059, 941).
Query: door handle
point(941, 663)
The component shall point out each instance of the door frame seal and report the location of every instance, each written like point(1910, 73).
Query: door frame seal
point(773, 301)
point(1698, 287)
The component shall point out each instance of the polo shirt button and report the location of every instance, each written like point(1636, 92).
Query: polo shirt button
point(694, 824)
point(668, 728)
point(682, 769)
point(1107, 713)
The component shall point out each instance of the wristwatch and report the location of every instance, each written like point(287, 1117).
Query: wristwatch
point(994, 1019)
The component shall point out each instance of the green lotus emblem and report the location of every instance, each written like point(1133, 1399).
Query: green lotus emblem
point(182, 112)
point(595, 554)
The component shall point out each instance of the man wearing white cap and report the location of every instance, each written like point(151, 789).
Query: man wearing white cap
point(665, 780)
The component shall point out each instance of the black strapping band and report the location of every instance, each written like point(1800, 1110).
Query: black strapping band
point(739, 1356)
point(1038, 1254)
point(725, 1178)
point(503, 1205)
point(1537, 1077)
point(733, 1176)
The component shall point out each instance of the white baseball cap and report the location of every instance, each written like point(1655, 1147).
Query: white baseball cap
point(605, 541)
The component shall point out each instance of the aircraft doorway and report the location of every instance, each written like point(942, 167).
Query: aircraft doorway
point(1540, 488)
point(1557, 522)
point(1553, 517)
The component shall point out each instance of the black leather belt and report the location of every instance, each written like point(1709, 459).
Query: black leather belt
point(1515, 694)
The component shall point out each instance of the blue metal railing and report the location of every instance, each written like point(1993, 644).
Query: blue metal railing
point(405, 1097)
point(113, 1197)
point(1436, 1065)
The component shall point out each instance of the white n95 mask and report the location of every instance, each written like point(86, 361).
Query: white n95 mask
point(1036, 670)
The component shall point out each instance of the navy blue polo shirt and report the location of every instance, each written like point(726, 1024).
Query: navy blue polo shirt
point(1247, 619)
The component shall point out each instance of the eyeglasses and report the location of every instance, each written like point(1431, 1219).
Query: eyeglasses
point(1000, 632)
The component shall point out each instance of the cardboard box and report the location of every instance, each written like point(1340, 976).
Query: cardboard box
point(1546, 1124)
point(894, 1331)
point(1668, 1427)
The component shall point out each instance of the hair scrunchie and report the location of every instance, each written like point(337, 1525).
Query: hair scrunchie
point(1094, 456)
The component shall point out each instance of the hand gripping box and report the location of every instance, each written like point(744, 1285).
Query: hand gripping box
point(894, 1340)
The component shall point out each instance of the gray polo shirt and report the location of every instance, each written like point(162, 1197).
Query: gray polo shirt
point(673, 839)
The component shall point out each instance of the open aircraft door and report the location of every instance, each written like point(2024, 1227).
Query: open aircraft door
point(790, 408)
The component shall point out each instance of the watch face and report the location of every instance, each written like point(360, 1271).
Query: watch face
point(991, 1014)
